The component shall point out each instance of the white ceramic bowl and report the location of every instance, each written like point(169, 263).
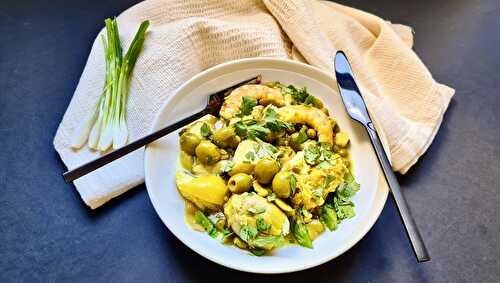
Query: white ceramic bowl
point(161, 164)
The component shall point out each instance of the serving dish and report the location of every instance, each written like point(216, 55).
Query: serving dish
point(161, 164)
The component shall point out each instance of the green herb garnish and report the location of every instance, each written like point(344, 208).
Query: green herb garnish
point(311, 155)
point(206, 223)
point(250, 155)
point(344, 207)
point(328, 216)
point(205, 130)
point(250, 128)
point(247, 105)
point(273, 123)
point(262, 225)
point(248, 233)
point(267, 242)
point(301, 234)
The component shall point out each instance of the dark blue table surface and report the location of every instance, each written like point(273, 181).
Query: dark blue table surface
point(47, 233)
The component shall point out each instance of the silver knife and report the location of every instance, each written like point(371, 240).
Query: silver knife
point(355, 106)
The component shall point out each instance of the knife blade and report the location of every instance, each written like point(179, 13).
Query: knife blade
point(356, 108)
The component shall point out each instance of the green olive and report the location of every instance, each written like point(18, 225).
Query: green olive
point(240, 183)
point(225, 137)
point(189, 142)
point(311, 133)
point(281, 185)
point(207, 152)
point(265, 169)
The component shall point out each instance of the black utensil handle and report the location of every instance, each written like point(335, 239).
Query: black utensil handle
point(411, 228)
point(105, 159)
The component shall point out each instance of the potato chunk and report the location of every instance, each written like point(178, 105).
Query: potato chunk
point(206, 192)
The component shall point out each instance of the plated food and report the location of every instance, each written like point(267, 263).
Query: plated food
point(272, 170)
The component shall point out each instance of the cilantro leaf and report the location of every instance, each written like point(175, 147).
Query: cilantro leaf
point(309, 100)
point(312, 155)
point(301, 234)
point(209, 227)
point(264, 149)
point(247, 105)
point(345, 211)
point(250, 129)
point(328, 216)
point(248, 233)
point(344, 207)
point(262, 225)
point(299, 95)
point(267, 241)
point(205, 130)
point(257, 132)
point(272, 121)
point(250, 156)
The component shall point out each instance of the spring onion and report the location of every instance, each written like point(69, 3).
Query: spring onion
point(106, 124)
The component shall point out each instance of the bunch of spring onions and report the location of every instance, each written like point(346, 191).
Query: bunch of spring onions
point(106, 125)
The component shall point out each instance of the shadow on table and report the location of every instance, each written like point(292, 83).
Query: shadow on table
point(428, 158)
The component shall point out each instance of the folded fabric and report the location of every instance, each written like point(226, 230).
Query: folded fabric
point(187, 37)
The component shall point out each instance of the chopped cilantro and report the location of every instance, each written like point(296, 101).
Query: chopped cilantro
point(247, 105)
point(344, 207)
point(205, 222)
point(312, 155)
point(264, 149)
point(272, 122)
point(262, 225)
point(205, 130)
point(328, 216)
point(301, 234)
point(309, 100)
point(248, 233)
point(267, 241)
point(250, 129)
point(315, 154)
point(250, 155)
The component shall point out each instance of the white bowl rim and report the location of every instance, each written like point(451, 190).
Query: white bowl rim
point(256, 60)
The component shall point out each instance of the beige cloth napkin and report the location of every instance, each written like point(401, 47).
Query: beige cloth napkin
point(187, 37)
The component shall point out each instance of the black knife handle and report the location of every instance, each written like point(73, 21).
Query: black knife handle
point(411, 228)
point(105, 159)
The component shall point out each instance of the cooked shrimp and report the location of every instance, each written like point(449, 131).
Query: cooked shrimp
point(264, 94)
point(311, 116)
